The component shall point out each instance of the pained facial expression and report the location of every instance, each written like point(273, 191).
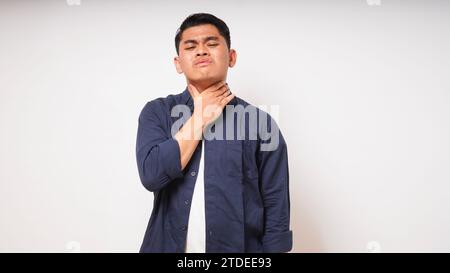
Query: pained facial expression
point(204, 57)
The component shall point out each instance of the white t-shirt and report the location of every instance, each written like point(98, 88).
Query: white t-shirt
point(196, 232)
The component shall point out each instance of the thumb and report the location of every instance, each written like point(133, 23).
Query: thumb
point(194, 92)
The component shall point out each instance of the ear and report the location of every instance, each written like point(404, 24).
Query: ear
point(176, 61)
point(232, 57)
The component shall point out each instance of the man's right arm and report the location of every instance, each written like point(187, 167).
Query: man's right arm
point(188, 138)
point(158, 156)
point(208, 106)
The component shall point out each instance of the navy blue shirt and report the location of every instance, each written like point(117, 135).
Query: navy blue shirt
point(247, 205)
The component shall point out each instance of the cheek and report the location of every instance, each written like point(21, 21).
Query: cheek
point(221, 59)
point(186, 65)
point(185, 60)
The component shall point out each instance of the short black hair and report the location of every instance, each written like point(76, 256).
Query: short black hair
point(198, 19)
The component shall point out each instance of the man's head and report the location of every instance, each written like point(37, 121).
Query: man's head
point(203, 46)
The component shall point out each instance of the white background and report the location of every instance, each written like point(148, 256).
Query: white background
point(364, 102)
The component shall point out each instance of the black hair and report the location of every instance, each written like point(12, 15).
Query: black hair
point(198, 19)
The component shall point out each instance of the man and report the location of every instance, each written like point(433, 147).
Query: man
point(214, 191)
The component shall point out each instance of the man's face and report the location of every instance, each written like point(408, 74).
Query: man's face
point(204, 57)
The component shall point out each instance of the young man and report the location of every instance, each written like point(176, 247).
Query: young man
point(219, 184)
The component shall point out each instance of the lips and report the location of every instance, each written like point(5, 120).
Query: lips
point(202, 62)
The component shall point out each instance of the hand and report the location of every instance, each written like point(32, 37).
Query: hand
point(209, 104)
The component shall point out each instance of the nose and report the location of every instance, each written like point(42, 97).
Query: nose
point(202, 50)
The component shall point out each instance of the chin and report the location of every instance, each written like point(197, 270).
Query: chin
point(205, 79)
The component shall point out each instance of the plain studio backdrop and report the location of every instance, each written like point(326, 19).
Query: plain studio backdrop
point(363, 90)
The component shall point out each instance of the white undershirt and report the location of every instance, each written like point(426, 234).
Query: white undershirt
point(196, 233)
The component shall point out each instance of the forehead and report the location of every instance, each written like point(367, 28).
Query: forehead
point(200, 32)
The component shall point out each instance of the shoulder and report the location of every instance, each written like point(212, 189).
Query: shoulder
point(262, 112)
point(262, 122)
point(162, 105)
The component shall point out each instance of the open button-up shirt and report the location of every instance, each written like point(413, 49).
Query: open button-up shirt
point(247, 207)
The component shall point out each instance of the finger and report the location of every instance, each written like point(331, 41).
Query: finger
point(194, 92)
point(215, 86)
point(224, 94)
point(226, 100)
point(222, 90)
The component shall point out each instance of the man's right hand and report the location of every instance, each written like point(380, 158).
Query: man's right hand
point(209, 104)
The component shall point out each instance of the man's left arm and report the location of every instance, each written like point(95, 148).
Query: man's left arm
point(274, 181)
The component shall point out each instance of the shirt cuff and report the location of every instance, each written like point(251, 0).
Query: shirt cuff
point(277, 242)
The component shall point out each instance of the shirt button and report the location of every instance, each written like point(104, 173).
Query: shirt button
point(184, 228)
point(186, 202)
point(193, 173)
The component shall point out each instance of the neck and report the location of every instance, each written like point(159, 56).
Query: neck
point(202, 86)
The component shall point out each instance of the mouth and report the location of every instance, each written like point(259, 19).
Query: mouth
point(203, 63)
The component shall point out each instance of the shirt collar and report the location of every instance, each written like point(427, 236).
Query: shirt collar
point(187, 98)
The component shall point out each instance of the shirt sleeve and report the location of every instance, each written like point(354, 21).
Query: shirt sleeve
point(274, 181)
point(157, 152)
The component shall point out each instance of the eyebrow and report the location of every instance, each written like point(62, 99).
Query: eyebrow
point(209, 38)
